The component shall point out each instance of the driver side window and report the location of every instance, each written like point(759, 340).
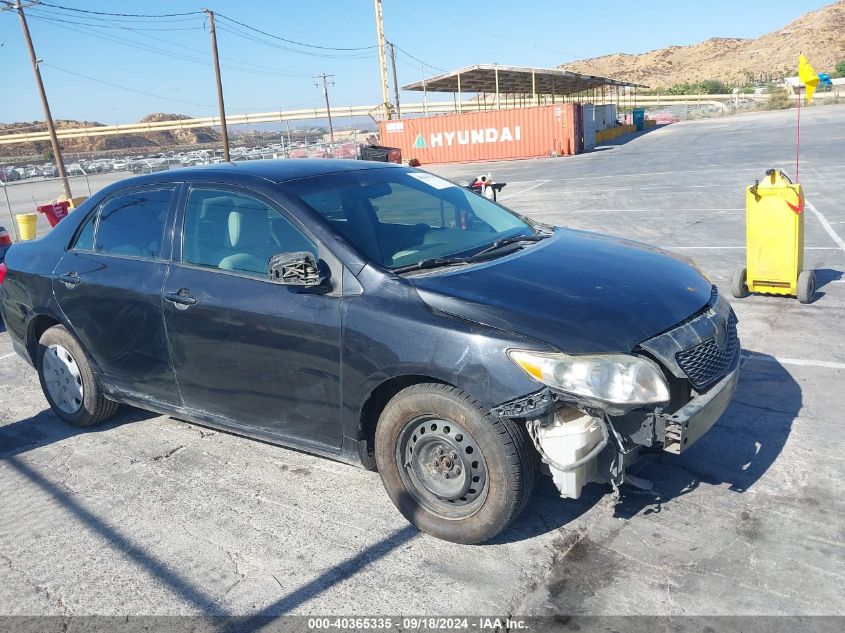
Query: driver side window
point(232, 231)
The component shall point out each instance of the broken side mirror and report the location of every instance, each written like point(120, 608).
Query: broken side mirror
point(299, 269)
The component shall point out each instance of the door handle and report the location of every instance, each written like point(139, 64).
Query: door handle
point(182, 299)
point(70, 280)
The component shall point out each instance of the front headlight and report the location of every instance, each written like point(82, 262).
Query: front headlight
point(615, 378)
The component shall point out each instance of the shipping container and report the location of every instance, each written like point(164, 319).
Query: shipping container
point(589, 118)
point(487, 134)
point(605, 116)
point(573, 128)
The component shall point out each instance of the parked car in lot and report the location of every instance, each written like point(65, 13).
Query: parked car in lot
point(5, 243)
point(381, 316)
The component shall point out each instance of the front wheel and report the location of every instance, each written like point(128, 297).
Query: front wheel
point(806, 286)
point(68, 382)
point(739, 285)
point(452, 469)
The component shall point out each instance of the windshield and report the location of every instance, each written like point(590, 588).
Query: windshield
point(397, 217)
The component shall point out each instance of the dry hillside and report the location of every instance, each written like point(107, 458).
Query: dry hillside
point(105, 143)
point(820, 35)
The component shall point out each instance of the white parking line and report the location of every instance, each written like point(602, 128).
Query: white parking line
point(643, 210)
point(825, 224)
point(796, 361)
point(806, 248)
point(649, 173)
point(539, 184)
point(638, 190)
point(4, 357)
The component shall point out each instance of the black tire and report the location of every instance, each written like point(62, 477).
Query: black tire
point(486, 457)
point(739, 287)
point(93, 406)
point(806, 286)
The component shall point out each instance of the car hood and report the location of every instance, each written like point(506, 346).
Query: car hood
point(580, 292)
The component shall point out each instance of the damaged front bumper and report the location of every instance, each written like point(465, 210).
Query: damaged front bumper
point(580, 443)
point(681, 429)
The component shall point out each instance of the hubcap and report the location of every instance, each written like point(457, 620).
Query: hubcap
point(442, 466)
point(63, 379)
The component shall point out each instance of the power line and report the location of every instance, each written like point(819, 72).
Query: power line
point(172, 54)
point(101, 23)
point(121, 15)
point(113, 85)
point(417, 59)
point(258, 68)
point(253, 38)
point(289, 41)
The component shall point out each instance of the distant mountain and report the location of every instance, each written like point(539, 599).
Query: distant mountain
point(145, 141)
point(820, 35)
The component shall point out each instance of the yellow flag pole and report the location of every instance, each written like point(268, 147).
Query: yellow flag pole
point(798, 133)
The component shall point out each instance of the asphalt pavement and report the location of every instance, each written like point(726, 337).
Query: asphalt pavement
point(150, 515)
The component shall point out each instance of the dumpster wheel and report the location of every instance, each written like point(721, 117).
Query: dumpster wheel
point(739, 287)
point(806, 286)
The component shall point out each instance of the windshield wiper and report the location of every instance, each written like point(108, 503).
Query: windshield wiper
point(432, 262)
point(505, 241)
point(436, 262)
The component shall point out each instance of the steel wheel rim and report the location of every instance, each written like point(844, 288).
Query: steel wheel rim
point(63, 379)
point(442, 467)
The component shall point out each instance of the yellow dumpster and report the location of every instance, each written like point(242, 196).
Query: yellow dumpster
point(774, 228)
point(26, 225)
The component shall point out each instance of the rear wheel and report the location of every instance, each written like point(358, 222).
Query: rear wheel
point(68, 382)
point(452, 469)
point(806, 286)
point(739, 286)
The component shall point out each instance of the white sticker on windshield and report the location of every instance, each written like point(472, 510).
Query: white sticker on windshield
point(430, 179)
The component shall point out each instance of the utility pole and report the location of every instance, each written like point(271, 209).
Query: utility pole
point(382, 62)
point(48, 118)
point(324, 76)
point(395, 81)
point(223, 129)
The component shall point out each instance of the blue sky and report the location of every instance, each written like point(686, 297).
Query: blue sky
point(441, 33)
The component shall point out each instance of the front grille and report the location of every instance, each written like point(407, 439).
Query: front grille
point(706, 363)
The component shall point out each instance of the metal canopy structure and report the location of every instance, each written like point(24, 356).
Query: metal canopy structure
point(492, 78)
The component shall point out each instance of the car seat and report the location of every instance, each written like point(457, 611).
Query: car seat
point(249, 235)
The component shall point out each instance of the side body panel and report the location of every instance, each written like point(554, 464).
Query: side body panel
point(258, 354)
point(115, 311)
point(388, 331)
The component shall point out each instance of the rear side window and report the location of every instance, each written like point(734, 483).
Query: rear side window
point(133, 224)
point(85, 238)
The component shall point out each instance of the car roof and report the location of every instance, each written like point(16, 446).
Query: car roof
point(272, 170)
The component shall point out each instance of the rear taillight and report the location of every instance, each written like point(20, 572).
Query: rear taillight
point(2, 273)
